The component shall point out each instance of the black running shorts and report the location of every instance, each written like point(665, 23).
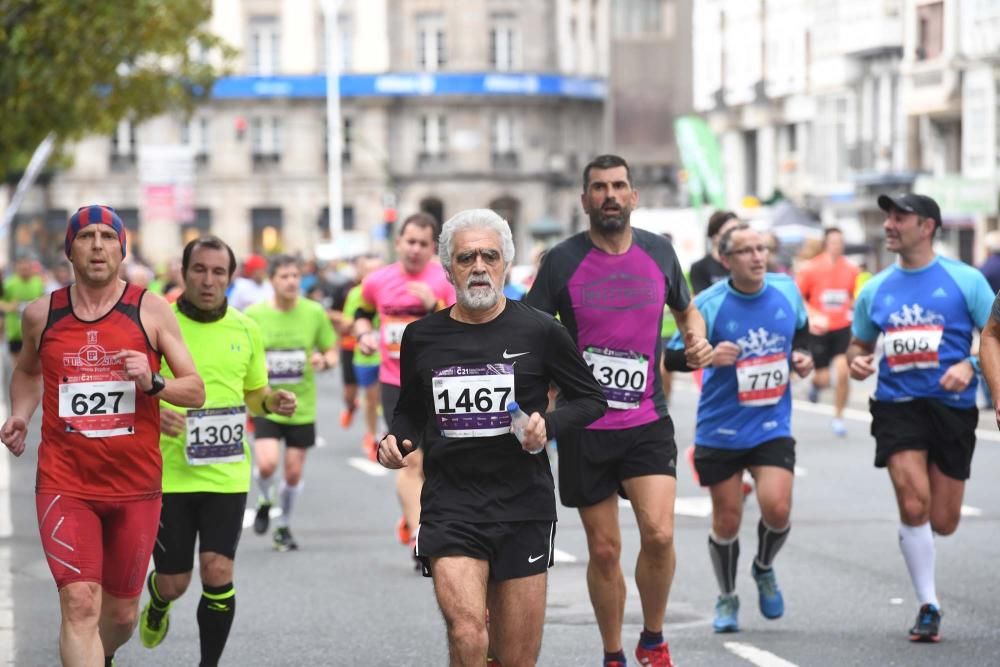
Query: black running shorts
point(594, 463)
point(715, 464)
point(824, 347)
point(302, 436)
point(947, 434)
point(215, 519)
point(513, 549)
point(347, 367)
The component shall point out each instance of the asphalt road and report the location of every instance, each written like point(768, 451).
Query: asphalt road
point(349, 595)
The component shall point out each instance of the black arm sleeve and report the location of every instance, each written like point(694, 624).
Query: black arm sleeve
point(364, 314)
point(410, 417)
point(541, 295)
point(674, 360)
point(700, 280)
point(584, 400)
point(801, 339)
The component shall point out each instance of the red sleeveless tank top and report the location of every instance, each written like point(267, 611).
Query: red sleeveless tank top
point(100, 431)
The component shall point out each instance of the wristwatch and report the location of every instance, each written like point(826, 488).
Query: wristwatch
point(158, 384)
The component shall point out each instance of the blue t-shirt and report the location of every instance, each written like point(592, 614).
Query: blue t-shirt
point(748, 403)
point(926, 317)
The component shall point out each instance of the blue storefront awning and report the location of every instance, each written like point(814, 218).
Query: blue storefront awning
point(420, 84)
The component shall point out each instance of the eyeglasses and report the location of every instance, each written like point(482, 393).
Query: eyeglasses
point(468, 257)
point(750, 249)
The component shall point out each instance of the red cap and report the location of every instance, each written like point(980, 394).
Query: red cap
point(253, 263)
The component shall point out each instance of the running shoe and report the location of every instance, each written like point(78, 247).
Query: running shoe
point(813, 395)
point(772, 604)
point(403, 533)
point(727, 609)
point(928, 625)
point(153, 625)
point(346, 417)
point(838, 427)
point(283, 540)
point(491, 661)
point(654, 657)
point(370, 446)
point(263, 518)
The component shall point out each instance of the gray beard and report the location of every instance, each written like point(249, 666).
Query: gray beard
point(481, 300)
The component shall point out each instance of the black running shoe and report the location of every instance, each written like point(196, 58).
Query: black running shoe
point(928, 625)
point(283, 540)
point(263, 518)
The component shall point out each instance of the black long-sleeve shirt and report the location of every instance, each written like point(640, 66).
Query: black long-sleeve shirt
point(456, 382)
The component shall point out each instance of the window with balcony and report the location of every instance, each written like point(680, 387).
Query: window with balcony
point(195, 133)
point(265, 141)
point(504, 43)
point(123, 148)
point(431, 47)
point(433, 139)
point(503, 142)
point(930, 30)
point(264, 46)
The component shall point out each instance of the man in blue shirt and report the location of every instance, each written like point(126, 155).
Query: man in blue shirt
point(758, 328)
point(926, 308)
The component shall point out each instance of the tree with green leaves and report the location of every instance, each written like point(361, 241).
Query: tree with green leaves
point(77, 67)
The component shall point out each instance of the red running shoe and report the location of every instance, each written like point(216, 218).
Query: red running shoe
point(370, 446)
point(654, 657)
point(403, 533)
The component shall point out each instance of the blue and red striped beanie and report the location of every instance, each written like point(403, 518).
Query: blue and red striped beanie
point(94, 214)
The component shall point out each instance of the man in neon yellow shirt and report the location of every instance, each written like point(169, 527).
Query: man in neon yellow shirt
point(298, 342)
point(206, 459)
point(19, 289)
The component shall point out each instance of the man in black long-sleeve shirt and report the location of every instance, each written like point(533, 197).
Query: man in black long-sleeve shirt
point(488, 510)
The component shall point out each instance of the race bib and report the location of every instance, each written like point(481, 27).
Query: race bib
point(912, 347)
point(622, 375)
point(762, 380)
point(98, 409)
point(285, 366)
point(392, 333)
point(471, 401)
point(215, 435)
point(834, 299)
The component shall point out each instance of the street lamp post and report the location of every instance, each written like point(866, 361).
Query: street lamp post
point(331, 9)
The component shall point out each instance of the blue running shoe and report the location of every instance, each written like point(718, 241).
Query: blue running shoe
point(727, 608)
point(772, 604)
point(928, 625)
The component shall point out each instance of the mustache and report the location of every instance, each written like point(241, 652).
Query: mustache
point(480, 277)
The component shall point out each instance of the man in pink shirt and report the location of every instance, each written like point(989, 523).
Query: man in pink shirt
point(398, 294)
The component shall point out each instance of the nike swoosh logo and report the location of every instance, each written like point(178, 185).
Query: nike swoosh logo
point(513, 356)
point(534, 558)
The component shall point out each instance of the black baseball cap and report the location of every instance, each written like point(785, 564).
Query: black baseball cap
point(910, 202)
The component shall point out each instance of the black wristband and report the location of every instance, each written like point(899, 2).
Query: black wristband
point(263, 405)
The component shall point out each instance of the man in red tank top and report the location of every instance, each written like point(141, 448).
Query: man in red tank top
point(91, 355)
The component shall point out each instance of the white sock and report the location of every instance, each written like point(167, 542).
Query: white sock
point(264, 486)
point(287, 495)
point(917, 545)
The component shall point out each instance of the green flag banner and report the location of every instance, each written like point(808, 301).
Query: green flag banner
point(702, 159)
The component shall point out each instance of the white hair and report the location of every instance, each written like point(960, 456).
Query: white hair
point(475, 218)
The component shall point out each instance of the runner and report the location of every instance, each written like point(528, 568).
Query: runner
point(298, 342)
point(609, 285)
point(343, 324)
point(252, 288)
point(206, 460)
point(365, 366)
point(827, 285)
point(401, 293)
point(709, 269)
point(488, 514)
point(91, 355)
point(19, 289)
point(924, 415)
point(758, 328)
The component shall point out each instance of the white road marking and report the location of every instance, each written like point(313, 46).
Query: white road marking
point(801, 472)
point(560, 556)
point(250, 514)
point(896, 601)
point(968, 510)
point(757, 656)
point(697, 506)
point(367, 467)
point(320, 441)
